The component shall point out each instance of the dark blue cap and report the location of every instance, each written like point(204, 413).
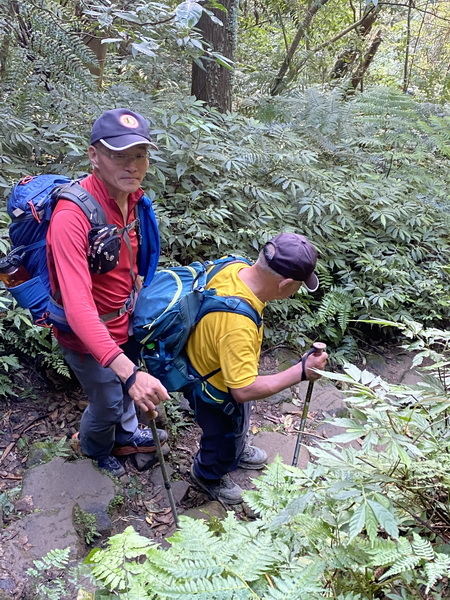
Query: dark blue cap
point(120, 128)
point(294, 257)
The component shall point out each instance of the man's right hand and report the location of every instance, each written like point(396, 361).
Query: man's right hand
point(147, 392)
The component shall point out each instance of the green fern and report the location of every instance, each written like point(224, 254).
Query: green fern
point(437, 570)
point(356, 523)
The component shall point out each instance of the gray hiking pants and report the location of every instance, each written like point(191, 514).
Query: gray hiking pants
point(111, 415)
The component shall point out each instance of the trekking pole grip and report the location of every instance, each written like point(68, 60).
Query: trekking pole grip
point(317, 348)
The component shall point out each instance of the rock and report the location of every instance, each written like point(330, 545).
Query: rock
point(287, 408)
point(179, 490)
point(325, 397)
point(183, 469)
point(99, 512)
point(56, 487)
point(278, 444)
point(7, 586)
point(283, 396)
point(156, 477)
point(396, 369)
point(36, 455)
point(24, 504)
point(146, 460)
point(208, 511)
point(183, 403)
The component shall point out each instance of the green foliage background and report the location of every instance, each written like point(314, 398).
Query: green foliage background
point(364, 177)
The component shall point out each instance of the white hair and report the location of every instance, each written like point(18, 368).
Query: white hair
point(262, 261)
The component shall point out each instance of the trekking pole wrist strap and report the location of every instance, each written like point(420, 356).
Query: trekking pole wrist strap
point(131, 379)
point(304, 359)
point(303, 378)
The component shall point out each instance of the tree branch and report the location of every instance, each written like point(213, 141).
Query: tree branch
point(331, 41)
point(276, 88)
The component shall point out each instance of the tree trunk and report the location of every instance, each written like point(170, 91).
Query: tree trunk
point(278, 83)
point(366, 61)
point(213, 82)
point(348, 56)
point(100, 50)
point(408, 42)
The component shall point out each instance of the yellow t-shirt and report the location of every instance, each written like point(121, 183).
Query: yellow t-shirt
point(226, 340)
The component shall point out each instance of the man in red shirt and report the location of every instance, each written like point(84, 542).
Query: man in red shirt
point(99, 349)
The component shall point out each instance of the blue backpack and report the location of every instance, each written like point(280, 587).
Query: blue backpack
point(30, 206)
point(167, 311)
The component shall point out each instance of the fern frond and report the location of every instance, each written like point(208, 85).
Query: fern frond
point(298, 583)
point(56, 558)
point(422, 548)
point(436, 570)
point(406, 563)
point(108, 564)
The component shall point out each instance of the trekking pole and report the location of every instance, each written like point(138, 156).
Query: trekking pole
point(317, 349)
point(162, 464)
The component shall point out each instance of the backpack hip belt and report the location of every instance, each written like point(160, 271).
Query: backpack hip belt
point(127, 307)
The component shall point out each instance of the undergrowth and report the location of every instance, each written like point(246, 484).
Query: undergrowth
point(368, 518)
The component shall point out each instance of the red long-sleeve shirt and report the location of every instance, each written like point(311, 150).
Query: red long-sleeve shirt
point(86, 296)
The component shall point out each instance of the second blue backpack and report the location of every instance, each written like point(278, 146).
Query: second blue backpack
point(167, 311)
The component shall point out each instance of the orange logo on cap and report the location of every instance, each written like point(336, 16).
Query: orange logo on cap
point(128, 121)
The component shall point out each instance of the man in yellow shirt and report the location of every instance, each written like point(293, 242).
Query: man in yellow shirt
point(230, 344)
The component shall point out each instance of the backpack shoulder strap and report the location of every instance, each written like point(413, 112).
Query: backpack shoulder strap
point(236, 304)
point(214, 266)
point(149, 243)
point(233, 304)
point(76, 193)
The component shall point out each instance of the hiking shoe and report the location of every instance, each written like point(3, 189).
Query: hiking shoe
point(142, 442)
point(144, 437)
point(252, 458)
point(111, 465)
point(224, 490)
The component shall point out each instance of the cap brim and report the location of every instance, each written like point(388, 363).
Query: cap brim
point(311, 283)
point(127, 141)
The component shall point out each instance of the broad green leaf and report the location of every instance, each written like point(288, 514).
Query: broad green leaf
point(349, 436)
point(181, 169)
point(357, 521)
point(371, 524)
point(352, 371)
point(188, 13)
point(385, 518)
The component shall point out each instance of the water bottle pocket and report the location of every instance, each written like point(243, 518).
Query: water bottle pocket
point(32, 294)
